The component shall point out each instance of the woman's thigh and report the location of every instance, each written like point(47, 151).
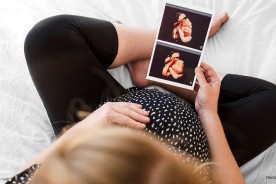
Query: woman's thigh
point(247, 108)
point(67, 58)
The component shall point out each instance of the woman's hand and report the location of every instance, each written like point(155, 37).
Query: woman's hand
point(225, 169)
point(123, 113)
point(208, 88)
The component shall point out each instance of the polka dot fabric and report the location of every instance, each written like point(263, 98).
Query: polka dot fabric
point(25, 177)
point(173, 121)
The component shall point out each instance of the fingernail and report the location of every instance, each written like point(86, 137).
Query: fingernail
point(144, 126)
point(146, 112)
point(139, 105)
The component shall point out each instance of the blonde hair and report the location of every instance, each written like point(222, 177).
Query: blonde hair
point(114, 156)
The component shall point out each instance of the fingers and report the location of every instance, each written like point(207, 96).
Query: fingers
point(205, 66)
point(206, 75)
point(130, 114)
point(136, 108)
point(210, 73)
point(200, 76)
point(127, 121)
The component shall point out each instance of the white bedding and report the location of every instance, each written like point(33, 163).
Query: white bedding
point(245, 45)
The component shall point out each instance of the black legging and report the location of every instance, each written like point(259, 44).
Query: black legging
point(67, 58)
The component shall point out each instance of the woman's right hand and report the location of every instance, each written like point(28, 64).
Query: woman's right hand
point(122, 113)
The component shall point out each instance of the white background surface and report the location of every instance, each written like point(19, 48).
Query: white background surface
point(245, 45)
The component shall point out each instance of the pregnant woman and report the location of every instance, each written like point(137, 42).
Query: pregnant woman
point(68, 56)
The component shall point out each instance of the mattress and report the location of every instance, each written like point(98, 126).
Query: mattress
point(245, 45)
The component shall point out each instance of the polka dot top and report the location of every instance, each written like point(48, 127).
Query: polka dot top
point(172, 120)
point(24, 177)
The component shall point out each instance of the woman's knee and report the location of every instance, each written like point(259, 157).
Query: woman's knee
point(44, 28)
point(47, 37)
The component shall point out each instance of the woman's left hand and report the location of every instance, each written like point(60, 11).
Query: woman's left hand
point(122, 113)
point(208, 89)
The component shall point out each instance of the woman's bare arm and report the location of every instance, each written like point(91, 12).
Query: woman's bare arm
point(225, 169)
point(127, 114)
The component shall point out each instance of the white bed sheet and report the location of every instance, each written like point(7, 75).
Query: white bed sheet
point(245, 45)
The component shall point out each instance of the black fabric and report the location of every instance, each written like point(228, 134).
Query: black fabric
point(62, 54)
point(68, 55)
point(247, 108)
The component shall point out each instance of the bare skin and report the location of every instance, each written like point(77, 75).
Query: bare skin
point(140, 49)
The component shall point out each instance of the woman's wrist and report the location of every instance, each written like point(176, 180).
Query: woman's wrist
point(209, 118)
point(220, 152)
point(203, 113)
